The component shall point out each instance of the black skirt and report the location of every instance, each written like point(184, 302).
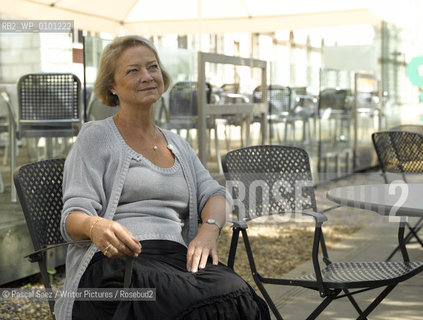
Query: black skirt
point(213, 293)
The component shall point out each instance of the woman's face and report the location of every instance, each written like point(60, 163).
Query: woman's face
point(138, 78)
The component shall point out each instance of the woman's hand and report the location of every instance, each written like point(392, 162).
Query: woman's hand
point(203, 246)
point(113, 239)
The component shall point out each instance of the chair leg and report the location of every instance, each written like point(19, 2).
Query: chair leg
point(241, 133)
point(46, 281)
point(13, 153)
point(412, 233)
point(322, 306)
point(376, 302)
point(267, 297)
point(414, 230)
point(256, 278)
point(1, 183)
point(294, 139)
point(228, 136)
point(217, 148)
point(278, 134)
point(285, 137)
point(353, 302)
point(271, 131)
point(233, 247)
point(6, 153)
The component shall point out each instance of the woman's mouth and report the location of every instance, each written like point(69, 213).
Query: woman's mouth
point(147, 89)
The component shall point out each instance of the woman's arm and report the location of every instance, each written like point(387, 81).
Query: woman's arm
point(84, 196)
point(205, 243)
point(102, 233)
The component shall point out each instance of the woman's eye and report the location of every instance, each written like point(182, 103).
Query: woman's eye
point(132, 70)
point(154, 67)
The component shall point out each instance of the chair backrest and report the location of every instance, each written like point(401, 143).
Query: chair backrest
point(279, 98)
point(98, 111)
point(39, 189)
point(269, 179)
point(333, 98)
point(230, 87)
point(183, 99)
point(48, 99)
point(304, 99)
point(399, 151)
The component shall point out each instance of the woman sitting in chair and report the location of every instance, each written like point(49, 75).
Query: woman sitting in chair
point(138, 191)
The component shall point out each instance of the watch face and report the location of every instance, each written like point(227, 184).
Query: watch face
point(212, 221)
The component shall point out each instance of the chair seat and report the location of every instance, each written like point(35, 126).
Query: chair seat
point(353, 274)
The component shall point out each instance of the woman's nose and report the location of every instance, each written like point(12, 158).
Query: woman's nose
point(145, 75)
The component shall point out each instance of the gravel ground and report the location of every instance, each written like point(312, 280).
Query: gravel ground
point(24, 308)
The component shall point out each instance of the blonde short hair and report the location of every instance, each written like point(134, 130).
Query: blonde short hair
point(107, 67)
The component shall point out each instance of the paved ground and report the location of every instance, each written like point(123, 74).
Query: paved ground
point(405, 302)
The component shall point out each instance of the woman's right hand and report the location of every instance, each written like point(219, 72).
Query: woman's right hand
point(113, 239)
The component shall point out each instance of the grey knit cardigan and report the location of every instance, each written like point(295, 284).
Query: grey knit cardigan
point(94, 174)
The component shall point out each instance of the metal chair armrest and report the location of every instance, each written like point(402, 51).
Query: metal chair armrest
point(36, 255)
point(319, 217)
point(12, 118)
point(238, 224)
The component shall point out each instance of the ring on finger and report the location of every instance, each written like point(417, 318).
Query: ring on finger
point(107, 249)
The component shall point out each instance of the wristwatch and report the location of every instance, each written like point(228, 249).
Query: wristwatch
point(212, 221)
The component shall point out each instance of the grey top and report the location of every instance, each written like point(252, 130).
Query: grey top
point(154, 211)
point(94, 174)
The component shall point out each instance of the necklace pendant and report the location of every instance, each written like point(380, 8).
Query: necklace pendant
point(155, 148)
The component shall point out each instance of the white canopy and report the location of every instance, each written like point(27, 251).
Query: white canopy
point(157, 17)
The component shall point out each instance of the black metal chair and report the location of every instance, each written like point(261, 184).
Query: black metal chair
point(281, 110)
point(401, 152)
point(267, 180)
point(183, 106)
point(229, 93)
point(183, 112)
point(334, 105)
point(98, 111)
point(305, 105)
point(39, 189)
point(49, 106)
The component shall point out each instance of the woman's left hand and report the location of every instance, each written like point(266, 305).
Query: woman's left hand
point(201, 247)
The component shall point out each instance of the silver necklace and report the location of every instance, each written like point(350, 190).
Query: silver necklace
point(155, 135)
point(155, 147)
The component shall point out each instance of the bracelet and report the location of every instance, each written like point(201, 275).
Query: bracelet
point(91, 228)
